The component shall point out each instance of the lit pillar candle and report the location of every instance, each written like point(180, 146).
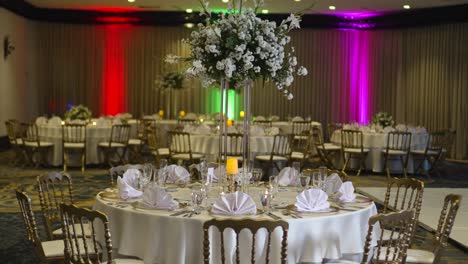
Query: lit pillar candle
point(229, 122)
point(241, 114)
point(231, 166)
point(161, 113)
point(182, 113)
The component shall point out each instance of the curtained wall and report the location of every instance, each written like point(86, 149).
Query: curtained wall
point(420, 75)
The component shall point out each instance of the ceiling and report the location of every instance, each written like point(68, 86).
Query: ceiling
point(274, 6)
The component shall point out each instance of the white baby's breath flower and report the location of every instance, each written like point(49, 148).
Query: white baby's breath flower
point(302, 71)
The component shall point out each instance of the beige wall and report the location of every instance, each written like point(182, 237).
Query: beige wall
point(17, 88)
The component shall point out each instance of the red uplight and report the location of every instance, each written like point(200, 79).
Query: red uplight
point(117, 19)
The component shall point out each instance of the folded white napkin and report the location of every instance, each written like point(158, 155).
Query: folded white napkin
point(237, 203)
point(287, 176)
point(420, 129)
point(126, 190)
point(231, 129)
point(155, 117)
point(41, 121)
point(365, 129)
point(347, 192)
point(132, 176)
point(190, 129)
point(77, 122)
point(332, 183)
point(117, 121)
point(297, 119)
point(156, 197)
point(55, 122)
point(257, 131)
point(312, 200)
point(388, 129)
point(401, 127)
point(272, 131)
point(202, 130)
point(260, 118)
point(275, 118)
point(191, 116)
point(103, 122)
point(127, 116)
point(218, 173)
point(177, 174)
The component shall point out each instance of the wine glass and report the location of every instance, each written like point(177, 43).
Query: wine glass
point(265, 200)
point(198, 195)
point(163, 172)
point(316, 179)
point(273, 180)
point(257, 176)
point(296, 171)
point(304, 182)
point(146, 175)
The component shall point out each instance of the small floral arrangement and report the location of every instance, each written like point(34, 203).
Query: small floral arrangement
point(79, 112)
point(383, 119)
point(239, 45)
point(173, 80)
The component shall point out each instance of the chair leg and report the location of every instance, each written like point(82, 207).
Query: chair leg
point(64, 160)
point(83, 161)
point(385, 161)
point(346, 160)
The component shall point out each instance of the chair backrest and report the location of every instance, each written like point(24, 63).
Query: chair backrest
point(117, 171)
point(343, 176)
point(332, 127)
point(397, 140)
point(352, 139)
point(392, 251)
point(450, 139)
point(79, 249)
point(182, 122)
point(234, 144)
point(74, 133)
point(237, 226)
point(120, 134)
point(436, 141)
point(299, 126)
point(317, 137)
point(29, 221)
point(446, 220)
point(54, 188)
point(180, 143)
point(145, 127)
point(282, 145)
point(30, 133)
point(12, 132)
point(264, 123)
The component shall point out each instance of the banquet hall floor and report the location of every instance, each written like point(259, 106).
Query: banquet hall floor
point(85, 186)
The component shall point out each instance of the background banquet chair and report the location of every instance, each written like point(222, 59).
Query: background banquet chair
point(154, 148)
point(237, 226)
point(136, 144)
point(234, 147)
point(180, 148)
point(343, 176)
point(450, 140)
point(325, 151)
point(444, 228)
point(79, 250)
point(117, 171)
point(399, 146)
point(263, 123)
point(54, 188)
point(352, 146)
point(301, 148)
point(118, 140)
point(403, 194)
point(332, 127)
point(280, 152)
point(16, 142)
point(182, 122)
point(432, 153)
point(74, 138)
point(33, 145)
point(47, 251)
point(300, 126)
point(395, 251)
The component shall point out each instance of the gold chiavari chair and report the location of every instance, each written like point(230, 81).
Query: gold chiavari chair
point(398, 145)
point(299, 126)
point(263, 123)
point(117, 171)
point(14, 137)
point(155, 149)
point(47, 251)
point(343, 176)
point(237, 226)
point(118, 140)
point(352, 146)
point(403, 194)
point(325, 151)
point(302, 148)
point(54, 188)
point(332, 127)
point(435, 148)
point(79, 250)
point(32, 144)
point(444, 228)
point(234, 147)
point(180, 148)
point(280, 152)
point(182, 122)
point(74, 138)
point(451, 135)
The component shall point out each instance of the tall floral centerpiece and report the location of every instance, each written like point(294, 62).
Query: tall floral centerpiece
point(236, 48)
point(172, 81)
point(383, 119)
point(78, 112)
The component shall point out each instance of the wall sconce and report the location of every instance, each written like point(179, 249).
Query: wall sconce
point(8, 48)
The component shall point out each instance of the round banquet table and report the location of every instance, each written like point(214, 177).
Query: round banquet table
point(156, 237)
point(94, 136)
point(377, 142)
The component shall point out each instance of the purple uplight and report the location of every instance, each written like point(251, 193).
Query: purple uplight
point(359, 88)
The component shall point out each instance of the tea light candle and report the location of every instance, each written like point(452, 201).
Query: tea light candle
point(232, 166)
point(63, 123)
point(182, 113)
point(229, 122)
point(161, 113)
point(241, 114)
point(94, 123)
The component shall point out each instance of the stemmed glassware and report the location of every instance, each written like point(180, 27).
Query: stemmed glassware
point(266, 198)
point(257, 176)
point(162, 173)
point(304, 181)
point(297, 172)
point(198, 195)
point(146, 175)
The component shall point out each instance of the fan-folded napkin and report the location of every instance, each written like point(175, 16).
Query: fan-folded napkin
point(156, 197)
point(272, 131)
point(257, 131)
point(287, 176)
point(332, 183)
point(202, 130)
point(297, 119)
point(177, 174)
point(237, 203)
point(347, 192)
point(128, 183)
point(312, 200)
point(41, 121)
point(55, 122)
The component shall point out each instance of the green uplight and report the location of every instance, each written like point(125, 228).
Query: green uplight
point(234, 103)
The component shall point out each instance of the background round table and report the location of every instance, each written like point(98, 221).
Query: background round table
point(157, 237)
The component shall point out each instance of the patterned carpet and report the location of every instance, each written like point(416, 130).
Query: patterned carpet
point(14, 247)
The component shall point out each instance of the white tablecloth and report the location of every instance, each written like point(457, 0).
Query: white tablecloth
point(94, 136)
point(156, 237)
point(377, 142)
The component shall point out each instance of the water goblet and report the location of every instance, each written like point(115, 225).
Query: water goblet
point(296, 171)
point(304, 182)
point(316, 179)
point(265, 200)
point(257, 176)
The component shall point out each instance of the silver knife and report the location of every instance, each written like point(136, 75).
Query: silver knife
point(179, 213)
point(273, 216)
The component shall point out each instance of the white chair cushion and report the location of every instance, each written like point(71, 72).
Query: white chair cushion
point(331, 146)
point(19, 141)
point(134, 141)
point(422, 151)
point(42, 143)
point(267, 157)
point(74, 145)
point(163, 151)
point(342, 261)
point(297, 155)
point(87, 230)
point(394, 152)
point(127, 261)
point(301, 137)
point(419, 256)
point(187, 156)
point(113, 145)
point(356, 150)
point(55, 248)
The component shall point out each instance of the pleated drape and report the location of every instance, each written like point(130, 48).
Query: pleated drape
point(420, 75)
